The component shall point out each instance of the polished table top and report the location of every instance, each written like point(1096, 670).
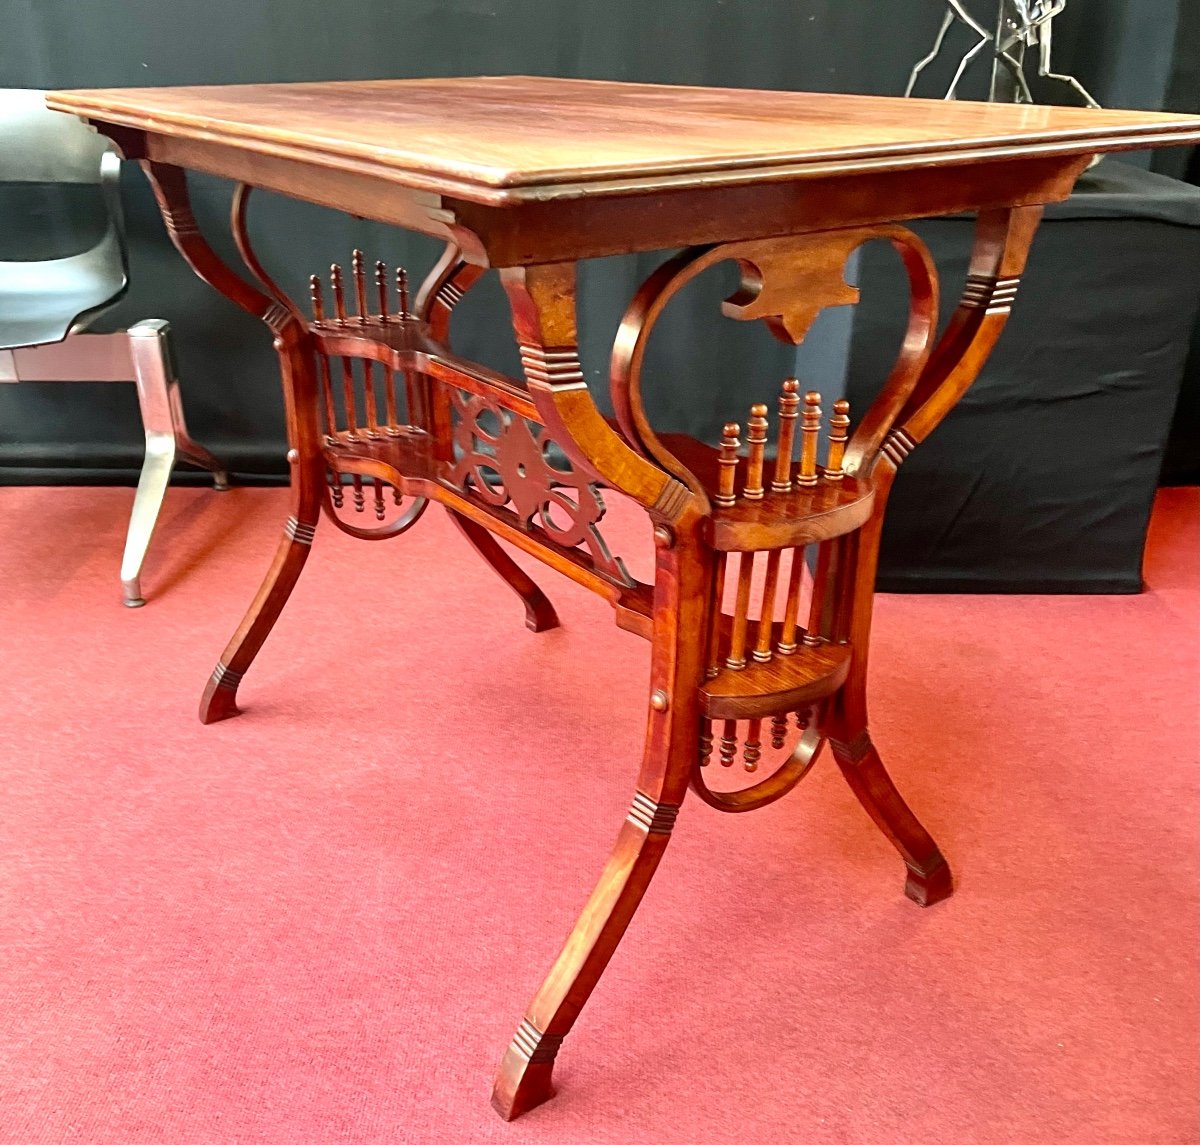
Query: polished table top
point(511, 139)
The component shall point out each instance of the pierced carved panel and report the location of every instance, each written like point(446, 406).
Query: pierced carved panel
point(511, 463)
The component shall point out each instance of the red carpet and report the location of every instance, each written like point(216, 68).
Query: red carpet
point(306, 926)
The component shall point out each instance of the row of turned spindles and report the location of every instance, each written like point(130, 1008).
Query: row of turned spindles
point(785, 476)
point(386, 314)
point(785, 479)
point(751, 748)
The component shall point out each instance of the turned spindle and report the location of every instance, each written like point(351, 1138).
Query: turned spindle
point(381, 289)
point(360, 502)
point(358, 271)
point(756, 436)
point(779, 730)
point(339, 292)
point(360, 285)
point(335, 489)
point(389, 380)
point(789, 410)
point(714, 636)
point(791, 612)
point(706, 742)
point(753, 751)
point(727, 459)
point(737, 636)
point(816, 605)
point(318, 303)
point(839, 431)
point(804, 718)
point(766, 617)
point(729, 743)
point(339, 310)
point(379, 505)
point(402, 291)
point(810, 428)
point(318, 307)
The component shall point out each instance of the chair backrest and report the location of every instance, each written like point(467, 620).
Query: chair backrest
point(62, 253)
point(44, 146)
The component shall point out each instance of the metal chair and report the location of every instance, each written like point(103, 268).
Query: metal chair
point(60, 215)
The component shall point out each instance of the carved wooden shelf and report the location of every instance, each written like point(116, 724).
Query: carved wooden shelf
point(782, 684)
point(805, 516)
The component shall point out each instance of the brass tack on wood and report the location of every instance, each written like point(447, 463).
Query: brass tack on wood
point(756, 435)
point(659, 700)
point(789, 408)
point(664, 538)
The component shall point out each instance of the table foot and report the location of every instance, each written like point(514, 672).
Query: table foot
point(928, 887)
point(524, 1080)
point(929, 879)
point(219, 701)
point(539, 612)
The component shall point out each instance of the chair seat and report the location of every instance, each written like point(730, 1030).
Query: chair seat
point(41, 302)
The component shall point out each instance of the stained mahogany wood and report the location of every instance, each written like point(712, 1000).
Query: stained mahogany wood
point(508, 139)
point(530, 176)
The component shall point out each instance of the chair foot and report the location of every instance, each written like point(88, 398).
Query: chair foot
point(524, 1081)
point(221, 481)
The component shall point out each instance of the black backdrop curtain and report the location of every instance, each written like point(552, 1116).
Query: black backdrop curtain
point(1135, 53)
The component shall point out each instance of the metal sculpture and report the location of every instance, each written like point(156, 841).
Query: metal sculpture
point(1020, 25)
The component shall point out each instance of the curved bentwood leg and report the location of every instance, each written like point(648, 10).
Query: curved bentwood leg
point(300, 398)
point(539, 612)
point(1002, 243)
point(928, 879)
point(441, 292)
point(219, 701)
point(543, 304)
point(682, 587)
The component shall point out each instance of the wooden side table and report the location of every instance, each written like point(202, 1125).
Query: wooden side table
point(753, 661)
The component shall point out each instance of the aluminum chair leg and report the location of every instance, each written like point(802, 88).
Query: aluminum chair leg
point(166, 437)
